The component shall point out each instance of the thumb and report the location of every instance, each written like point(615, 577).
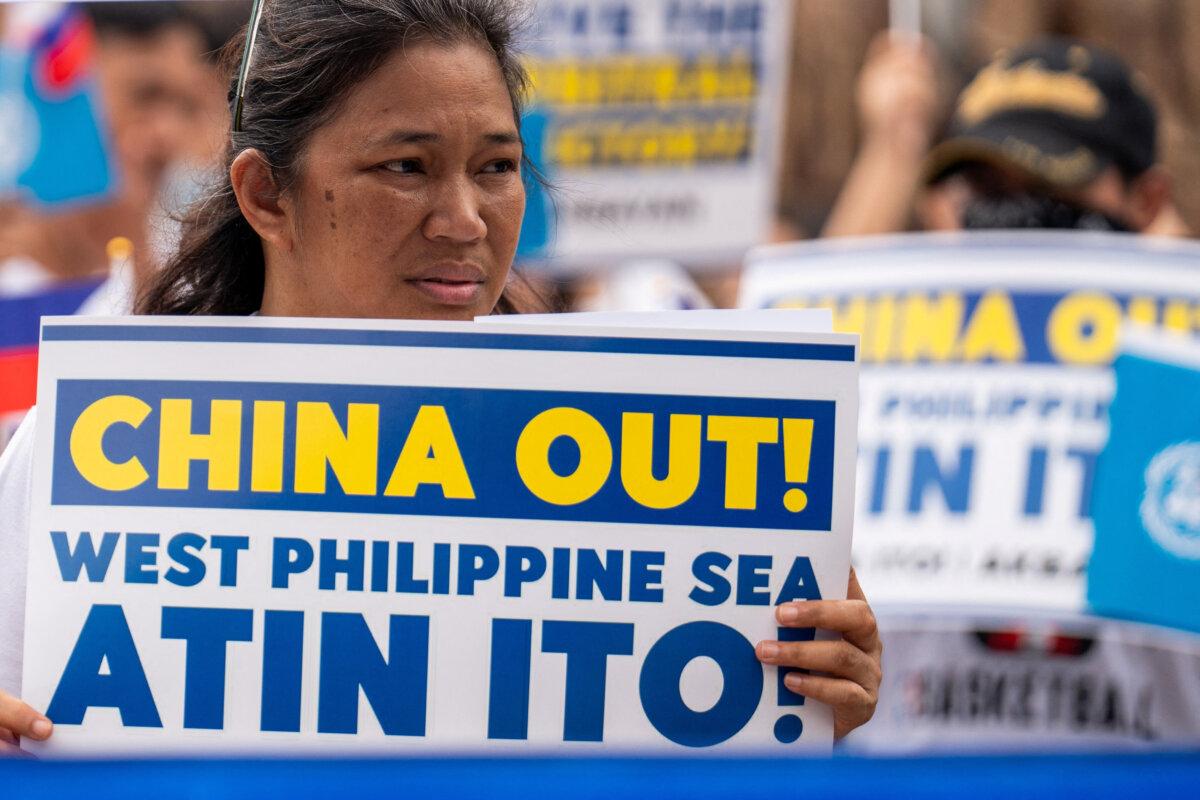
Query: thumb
point(22, 720)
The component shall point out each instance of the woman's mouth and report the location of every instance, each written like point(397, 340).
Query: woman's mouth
point(451, 284)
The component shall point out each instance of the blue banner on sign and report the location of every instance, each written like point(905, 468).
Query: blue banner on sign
point(602, 457)
point(1146, 561)
point(996, 326)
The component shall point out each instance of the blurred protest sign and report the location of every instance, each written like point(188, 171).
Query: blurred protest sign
point(986, 382)
point(1146, 562)
point(1038, 683)
point(533, 537)
point(20, 320)
point(658, 122)
point(54, 149)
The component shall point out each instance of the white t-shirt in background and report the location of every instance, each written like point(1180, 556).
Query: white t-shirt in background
point(16, 485)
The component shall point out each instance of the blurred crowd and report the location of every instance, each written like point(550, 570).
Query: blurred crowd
point(163, 102)
point(1014, 114)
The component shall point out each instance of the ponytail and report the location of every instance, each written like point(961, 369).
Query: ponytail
point(219, 268)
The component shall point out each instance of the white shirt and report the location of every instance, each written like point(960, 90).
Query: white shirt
point(113, 297)
point(16, 484)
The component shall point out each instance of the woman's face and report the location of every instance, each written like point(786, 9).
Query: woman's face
point(408, 202)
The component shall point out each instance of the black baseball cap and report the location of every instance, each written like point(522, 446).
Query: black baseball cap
point(1058, 110)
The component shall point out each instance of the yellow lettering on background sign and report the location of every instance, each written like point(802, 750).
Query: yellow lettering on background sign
point(742, 436)
point(430, 455)
point(1083, 328)
point(1180, 317)
point(533, 456)
point(929, 328)
point(1143, 310)
point(221, 447)
point(878, 337)
point(993, 331)
point(353, 454)
point(87, 438)
point(637, 458)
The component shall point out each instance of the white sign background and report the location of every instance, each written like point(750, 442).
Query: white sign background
point(704, 214)
point(457, 699)
point(993, 554)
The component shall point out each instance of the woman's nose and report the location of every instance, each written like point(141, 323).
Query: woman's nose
point(454, 215)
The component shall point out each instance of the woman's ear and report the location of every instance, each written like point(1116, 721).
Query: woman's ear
point(257, 195)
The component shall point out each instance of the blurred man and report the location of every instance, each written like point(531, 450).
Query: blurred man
point(149, 59)
point(1054, 135)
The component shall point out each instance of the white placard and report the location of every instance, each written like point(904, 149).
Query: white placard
point(985, 390)
point(289, 535)
point(658, 124)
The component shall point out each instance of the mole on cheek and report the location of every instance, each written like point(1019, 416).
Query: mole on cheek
point(332, 213)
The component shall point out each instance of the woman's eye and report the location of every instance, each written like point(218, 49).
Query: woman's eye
point(500, 167)
point(404, 166)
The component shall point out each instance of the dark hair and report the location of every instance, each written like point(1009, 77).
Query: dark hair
point(140, 20)
point(308, 55)
point(220, 20)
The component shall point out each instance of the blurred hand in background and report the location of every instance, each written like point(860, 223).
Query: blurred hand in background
point(899, 107)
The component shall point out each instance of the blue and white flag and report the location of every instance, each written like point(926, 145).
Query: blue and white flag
point(1146, 562)
point(54, 145)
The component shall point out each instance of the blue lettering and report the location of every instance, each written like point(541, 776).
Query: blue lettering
point(659, 684)
point(405, 580)
point(85, 556)
point(645, 576)
point(800, 583)
point(476, 562)
point(707, 569)
point(184, 549)
point(351, 566)
point(753, 573)
point(140, 553)
point(591, 572)
point(530, 567)
point(289, 557)
point(228, 547)
point(508, 693)
point(395, 687)
point(587, 646)
point(207, 631)
point(104, 639)
point(283, 664)
point(954, 483)
point(1087, 473)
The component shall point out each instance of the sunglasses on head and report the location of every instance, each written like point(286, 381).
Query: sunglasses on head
point(239, 96)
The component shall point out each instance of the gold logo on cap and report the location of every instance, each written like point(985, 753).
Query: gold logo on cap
point(1065, 169)
point(1029, 85)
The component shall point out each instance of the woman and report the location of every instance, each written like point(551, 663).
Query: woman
point(374, 171)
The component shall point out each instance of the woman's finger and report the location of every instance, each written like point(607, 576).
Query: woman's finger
point(854, 590)
point(12, 751)
point(851, 618)
point(851, 702)
point(839, 658)
point(22, 720)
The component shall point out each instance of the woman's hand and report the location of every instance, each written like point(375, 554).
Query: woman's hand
point(19, 720)
point(850, 666)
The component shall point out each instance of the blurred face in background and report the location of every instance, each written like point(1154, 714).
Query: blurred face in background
point(153, 92)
